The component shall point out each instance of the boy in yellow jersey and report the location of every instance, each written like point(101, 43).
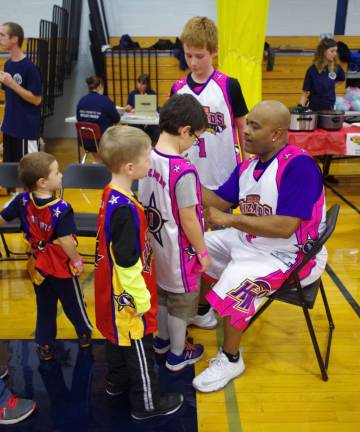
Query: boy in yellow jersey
point(125, 286)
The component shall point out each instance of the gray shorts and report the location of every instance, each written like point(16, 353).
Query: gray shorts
point(179, 305)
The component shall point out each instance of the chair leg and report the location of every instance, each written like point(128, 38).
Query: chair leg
point(320, 360)
point(9, 253)
point(84, 158)
point(7, 250)
point(330, 321)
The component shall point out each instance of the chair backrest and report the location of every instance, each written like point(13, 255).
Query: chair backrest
point(88, 131)
point(331, 219)
point(9, 175)
point(82, 176)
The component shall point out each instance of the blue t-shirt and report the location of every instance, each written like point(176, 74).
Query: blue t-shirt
point(322, 87)
point(66, 225)
point(97, 108)
point(300, 187)
point(21, 118)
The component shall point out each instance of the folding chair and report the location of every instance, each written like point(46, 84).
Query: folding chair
point(293, 293)
point(9, 179)
point(87, 132)
point(81, 176)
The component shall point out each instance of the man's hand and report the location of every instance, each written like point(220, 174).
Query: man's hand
point(214, 216)
point(6, 79)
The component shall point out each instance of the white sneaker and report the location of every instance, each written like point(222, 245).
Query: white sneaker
point(220, 372)
point(207, 321)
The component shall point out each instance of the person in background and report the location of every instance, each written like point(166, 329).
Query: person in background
point(321, 78)
point(97, 108)
point(143, 86)
point(21, 82)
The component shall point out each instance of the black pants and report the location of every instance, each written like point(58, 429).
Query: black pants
point(69, 293)
point(16, 148)
point(132, 367)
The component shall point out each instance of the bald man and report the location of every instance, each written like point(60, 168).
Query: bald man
point(281, 198)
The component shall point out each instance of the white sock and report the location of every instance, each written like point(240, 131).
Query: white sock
point(177, 332)
point(163, 332)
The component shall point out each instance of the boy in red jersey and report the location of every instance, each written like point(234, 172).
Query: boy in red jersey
point(54, 264)
point(125, 286)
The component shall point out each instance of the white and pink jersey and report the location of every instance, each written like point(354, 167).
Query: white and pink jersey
point(176, 265)
point(217, 154)
point(258, 198)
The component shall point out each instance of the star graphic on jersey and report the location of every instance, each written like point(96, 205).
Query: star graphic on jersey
point(57, 212)
point(307, 246)
point(177, 168)
point(190, 252)
point(124, 299)
point(287, 155)
point(155, 220)
point(113, 199)
point(24, 201)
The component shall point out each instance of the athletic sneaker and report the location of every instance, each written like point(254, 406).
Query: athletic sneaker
point(85, 341)
point(15, 410)
point(113, 389)
point(207, 321)
point(169, 403)
point(191, 354)
point(3, 371)
point(161, 346)
point(219, 373)
point(45, 352)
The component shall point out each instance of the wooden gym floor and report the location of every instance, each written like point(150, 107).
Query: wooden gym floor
point(281, 389)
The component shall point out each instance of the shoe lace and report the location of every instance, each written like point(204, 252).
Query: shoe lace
point(189, 346)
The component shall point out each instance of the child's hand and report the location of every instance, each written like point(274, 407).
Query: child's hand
point(205, 264)
point(77, 267)
point(204, 260)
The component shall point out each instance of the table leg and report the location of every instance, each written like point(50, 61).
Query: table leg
point(326, 169)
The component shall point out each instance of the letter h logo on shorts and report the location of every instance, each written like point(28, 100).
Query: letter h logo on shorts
point(246, 293)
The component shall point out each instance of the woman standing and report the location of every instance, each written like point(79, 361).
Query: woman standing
point(322, 77)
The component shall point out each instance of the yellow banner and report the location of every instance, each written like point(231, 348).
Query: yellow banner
point(242, 27)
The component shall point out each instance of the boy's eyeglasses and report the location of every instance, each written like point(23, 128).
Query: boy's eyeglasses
point(196, 140)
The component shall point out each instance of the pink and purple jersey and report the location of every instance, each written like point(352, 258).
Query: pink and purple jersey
point(217, 153)
point(269, 192)
point(177, 267)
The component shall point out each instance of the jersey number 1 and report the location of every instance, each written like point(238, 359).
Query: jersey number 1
point(202, 151)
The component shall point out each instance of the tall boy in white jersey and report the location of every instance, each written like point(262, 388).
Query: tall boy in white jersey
point(217, 152)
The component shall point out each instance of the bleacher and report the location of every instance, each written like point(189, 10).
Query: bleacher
point(293, 56)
